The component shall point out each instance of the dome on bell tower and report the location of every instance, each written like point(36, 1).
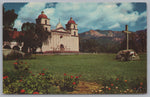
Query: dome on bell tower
point(43, 21)
point(71, 21)
point(42, 15)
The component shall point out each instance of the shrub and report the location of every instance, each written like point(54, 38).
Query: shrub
point(7, 47)
point(69, 83)
point(21, 67)
point(42, 83)
point(122, 86)
point(16, 48)
point(13, 55)
point(9, 54)
point(29, 56)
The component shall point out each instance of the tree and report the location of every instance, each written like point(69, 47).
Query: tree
point(143, 40)
point(41, 34)
point(133, 44)
point(9, 17)
point(29, 38)
point(137, 41)
point(90, 45)
point(8, 22)
point(34, 36)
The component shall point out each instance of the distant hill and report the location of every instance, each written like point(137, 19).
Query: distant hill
point(95, 34)
point(111, 41)
point(115, 35)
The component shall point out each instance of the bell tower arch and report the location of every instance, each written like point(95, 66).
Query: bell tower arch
point(44, 21)
point(72, 27)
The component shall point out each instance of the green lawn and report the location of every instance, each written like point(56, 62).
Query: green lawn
point(92, 67)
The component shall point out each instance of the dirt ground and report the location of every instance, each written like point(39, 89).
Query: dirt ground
point(85, 88)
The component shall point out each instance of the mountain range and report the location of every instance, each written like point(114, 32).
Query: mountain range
point(112, 41)
point(115, 35)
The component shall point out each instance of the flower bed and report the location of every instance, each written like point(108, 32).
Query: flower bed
point(122, 86)
point(43, 83)
point(69, 83)
point(25, 82)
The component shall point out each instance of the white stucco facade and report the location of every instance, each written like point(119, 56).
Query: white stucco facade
point(60, 39)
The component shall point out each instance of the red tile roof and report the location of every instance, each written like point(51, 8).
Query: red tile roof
point(15, 34)
point(42, 16)
point(71, 21)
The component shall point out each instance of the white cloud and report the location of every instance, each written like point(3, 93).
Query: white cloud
point(28, 13)
point(126, 7)
point(117, 25)
point(18, 24)
point(143, 14)
point(86, 15)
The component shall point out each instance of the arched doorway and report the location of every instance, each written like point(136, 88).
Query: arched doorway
point(62, 47)
point(7, 47)
point(16, 48)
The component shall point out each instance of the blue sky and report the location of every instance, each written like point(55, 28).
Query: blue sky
point(102, 16)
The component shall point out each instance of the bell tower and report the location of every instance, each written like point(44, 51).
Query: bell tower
point(72, 27)
point(44, 21)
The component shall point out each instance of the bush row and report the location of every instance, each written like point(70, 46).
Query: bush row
point(122, 86)
point(26, 82)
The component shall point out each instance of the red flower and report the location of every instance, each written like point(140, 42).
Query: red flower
point(15, 63)
point(30, 71)
point(109, 88)
point(71, 77)
point(134, 88)
point(112, 84)
point(141, 83)
point(77, 77)
point(43, 73)
point(25, 62)
point(20, 80)
point(5, 77)
point(16, 59)
point(74, 83)
point(22, 91)
point(117, 79)
point(35, 92)
point(44, 69)
point(125, 80)
point(40, 73)
point(140, 87)
point(65, 74)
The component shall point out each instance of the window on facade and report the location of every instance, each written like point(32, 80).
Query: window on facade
point(74, 26)
point(46, 28)
point(45, 21)
point(61, 36)
point(74, 33)
point(61, 46)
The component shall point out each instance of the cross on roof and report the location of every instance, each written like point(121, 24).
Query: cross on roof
point(127, 32)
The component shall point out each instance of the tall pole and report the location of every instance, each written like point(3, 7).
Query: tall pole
point(127, 41)
point(127, 37)
point(127, 32)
